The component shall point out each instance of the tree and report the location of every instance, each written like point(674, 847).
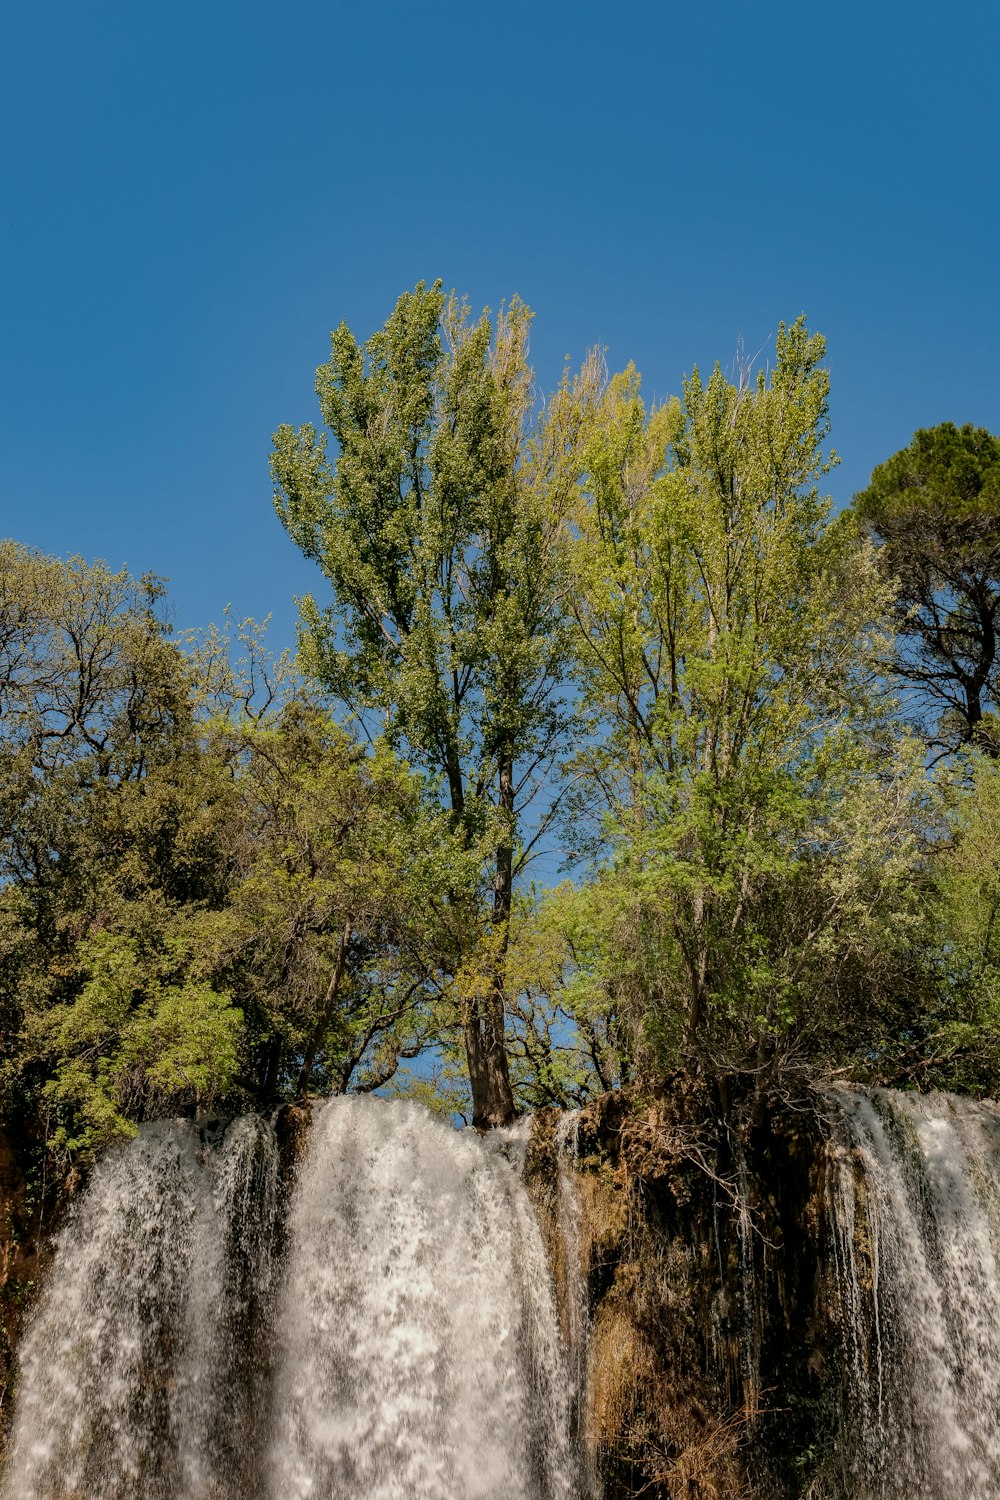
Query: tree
point(958, 1045)
point(329, 934)
point(566, 1043)
point(934, 509)
point(210, 895)
point(437, 523)
point(755, 838)
point(110, 827)
point(87, 672)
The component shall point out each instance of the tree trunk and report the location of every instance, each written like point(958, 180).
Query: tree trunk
point(976, 684)
point(269, 1085)
point(492, 1097)
point(698, 968)
point(326, 1013)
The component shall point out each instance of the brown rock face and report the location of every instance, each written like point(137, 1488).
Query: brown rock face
point(712, 1365)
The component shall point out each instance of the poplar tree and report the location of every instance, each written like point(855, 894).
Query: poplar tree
point(436, 515)
point(755, 836)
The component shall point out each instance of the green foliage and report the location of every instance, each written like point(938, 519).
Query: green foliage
point(436, 528)
point(106, 835)
point(139, 1037)
point(758, 826)
point(186, 839)
point(86, 671)
point(562, 1049)
point(934, 507)
point(333, 841)
point(213, 896)
point(439, 526)
point(959, 1046)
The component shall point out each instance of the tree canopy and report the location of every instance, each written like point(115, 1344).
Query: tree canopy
point(632, 636)
point(208, 896)
point(934, 509)
point(438, 523)
point(754, 826)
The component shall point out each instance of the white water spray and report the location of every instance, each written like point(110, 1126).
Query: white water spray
point(396, 1339)
point(916, 1208)
point(419, 1349)
point(146, 1320)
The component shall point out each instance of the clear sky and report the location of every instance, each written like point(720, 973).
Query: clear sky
point(194, 194)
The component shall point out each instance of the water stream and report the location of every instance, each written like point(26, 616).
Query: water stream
point(392, 1337)
point(149, 1322)
point(915, 1211)
point(380, 1323)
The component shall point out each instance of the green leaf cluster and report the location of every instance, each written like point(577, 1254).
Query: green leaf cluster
point(635, 631)
point(755, 822)
point(191, 850)
point(934, 509)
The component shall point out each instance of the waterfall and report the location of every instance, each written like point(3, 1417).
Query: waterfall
point(915, 1204)
point(419, 1350)
point(389, 1331)
point(147, 1321)
point(377, 1319)
point(574, 1254)
point(569, 1213)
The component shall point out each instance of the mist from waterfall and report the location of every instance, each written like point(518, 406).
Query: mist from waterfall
point(389, 1333)
point(915, 1208)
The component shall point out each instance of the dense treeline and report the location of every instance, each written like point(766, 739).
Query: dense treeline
point(760, 739)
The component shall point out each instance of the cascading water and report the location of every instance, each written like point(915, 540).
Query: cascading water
point(576, 1296)
point(915, 1202)
point(396, 1337)
point(385, 1328)
point(569, 1216)
point(419, 1348)
point(149, 1322)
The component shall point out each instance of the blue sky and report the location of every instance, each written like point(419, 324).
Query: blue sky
point(193, 195)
